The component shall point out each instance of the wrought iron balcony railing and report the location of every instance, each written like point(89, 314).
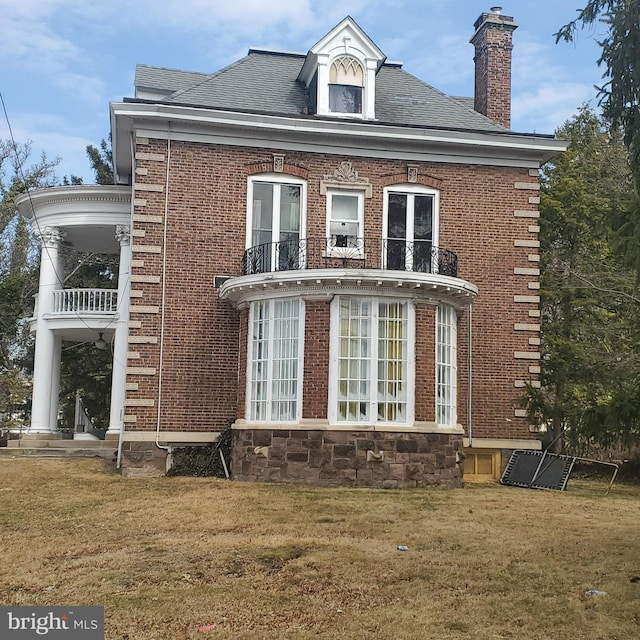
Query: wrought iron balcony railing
point(350, 252)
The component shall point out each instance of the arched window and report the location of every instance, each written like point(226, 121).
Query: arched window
point(346, 81)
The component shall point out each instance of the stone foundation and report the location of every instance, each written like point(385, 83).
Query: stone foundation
point(347, 458)
point(143, 459)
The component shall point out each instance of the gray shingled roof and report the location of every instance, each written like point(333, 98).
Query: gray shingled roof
point(266, 82)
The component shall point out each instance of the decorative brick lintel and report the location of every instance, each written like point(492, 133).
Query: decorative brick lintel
point(533, 186)
point(526, 214)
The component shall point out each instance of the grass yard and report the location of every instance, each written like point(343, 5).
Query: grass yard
point(169, 556)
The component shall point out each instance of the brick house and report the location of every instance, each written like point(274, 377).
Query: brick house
point(319, 250)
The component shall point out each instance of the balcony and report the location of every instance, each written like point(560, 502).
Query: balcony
point(79, 315)
point(345, 252)
point(85, 301)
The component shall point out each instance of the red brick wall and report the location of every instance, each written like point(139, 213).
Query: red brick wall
point(316, 359)
point(201, 389)
point(425, 363)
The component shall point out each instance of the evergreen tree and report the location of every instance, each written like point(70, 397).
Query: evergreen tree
point(619, 97)
point(591, 364)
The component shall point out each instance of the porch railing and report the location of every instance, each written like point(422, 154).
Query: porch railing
point(350, 252)
point(85, 301)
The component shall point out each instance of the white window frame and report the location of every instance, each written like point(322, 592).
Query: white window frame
point(282, 180)
point(410, 190)
point(353, 61)
point(358, 249)
point(334, 360)
point(270, 361)
point(446, 377)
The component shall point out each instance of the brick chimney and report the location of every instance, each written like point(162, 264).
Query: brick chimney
point(493, 41)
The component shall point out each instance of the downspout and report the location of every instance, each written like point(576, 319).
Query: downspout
point(164, 289)
point(469, 374)
point(133, 173)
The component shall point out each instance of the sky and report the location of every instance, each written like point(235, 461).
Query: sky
point(63, 61)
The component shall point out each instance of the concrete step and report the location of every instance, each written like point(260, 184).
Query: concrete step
point(108, 453)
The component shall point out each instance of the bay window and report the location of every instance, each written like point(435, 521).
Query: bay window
point(372, 359)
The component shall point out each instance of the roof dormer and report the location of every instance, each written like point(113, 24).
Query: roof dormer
point(340, 71)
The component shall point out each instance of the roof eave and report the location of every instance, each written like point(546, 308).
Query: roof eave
point(180, 120)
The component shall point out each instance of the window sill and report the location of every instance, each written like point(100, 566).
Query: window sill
point(307, 424)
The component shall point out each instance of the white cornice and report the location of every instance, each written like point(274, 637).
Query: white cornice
point(323, 283)
point(75, 198)
point(322, 136)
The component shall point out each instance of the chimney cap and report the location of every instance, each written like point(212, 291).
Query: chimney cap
point(496, 10)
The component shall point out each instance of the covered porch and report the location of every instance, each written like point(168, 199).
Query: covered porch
point(92, 219)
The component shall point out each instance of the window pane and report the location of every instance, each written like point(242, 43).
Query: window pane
point(262, 220)
point(288, 249)
point(366, 323)
point(344, 98)
point(353, 361)
point(392, 361)
point(446, 374)
point(274, 358)
point(344, 207)
point(423, 217)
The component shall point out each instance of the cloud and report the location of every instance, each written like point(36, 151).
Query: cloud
point(54, 136)
point(546, 93)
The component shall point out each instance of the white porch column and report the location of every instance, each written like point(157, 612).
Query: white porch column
point(44, 359)
point(121, 336)
point(55, 381)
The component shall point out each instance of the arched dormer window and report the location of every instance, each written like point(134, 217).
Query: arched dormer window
point(340, 73)
point(346, 82)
